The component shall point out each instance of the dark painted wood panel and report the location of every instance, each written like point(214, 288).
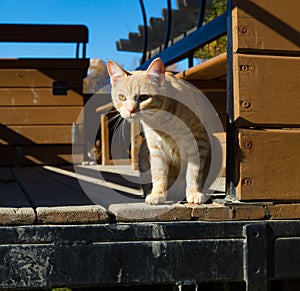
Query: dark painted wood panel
point(43, 33)
point(60, 264)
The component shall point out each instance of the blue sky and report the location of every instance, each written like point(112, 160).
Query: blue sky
point(107, 21)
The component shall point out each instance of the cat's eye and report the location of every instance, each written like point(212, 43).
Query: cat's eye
point(143, 97)
point(122, 97)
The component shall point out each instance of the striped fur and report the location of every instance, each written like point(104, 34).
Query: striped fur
point(176, 141)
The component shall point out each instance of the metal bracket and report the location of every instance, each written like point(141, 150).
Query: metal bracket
point(256, 257)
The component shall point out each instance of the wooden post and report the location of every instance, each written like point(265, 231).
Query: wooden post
point(105, 140)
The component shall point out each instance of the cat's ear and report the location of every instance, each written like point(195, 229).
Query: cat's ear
point(115, 71)
point(156, 71)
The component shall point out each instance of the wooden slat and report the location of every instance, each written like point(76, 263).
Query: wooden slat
point(38, 97)
point(41, 134)
point(44, 190)
point(266, 25)
point(43, 33)
point(11, 195)
point(209, 85)
point(136, 142)
point(266, 90)
point(42, 63)
point(211, 69)
point(105, 148)
point(39, 115)
point(40, 78)
point(39, 154)
point(269, 165)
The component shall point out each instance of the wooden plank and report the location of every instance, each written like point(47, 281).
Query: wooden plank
point(43, 33)
point(266, 26)
point(11, 195)
point(39, 154)
point(39, 115)
point(45, 191)
point(19, 78)
point(15, 209)
point(41, 134)
point(42, 63)
point(211, 69)
point(266, 90)
point(269, 165)
point(105, 149)
point(37, 97)
point(209, 85)
point(136, 142)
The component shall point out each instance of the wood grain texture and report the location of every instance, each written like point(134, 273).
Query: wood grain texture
point(39, 134)
point(266, 90)
point(42, 63)
point(39, 78)
point(269, 165)
point(53, 154)
point(211, 69)
point(38, 116)
point(266, 26)
point(38, 97)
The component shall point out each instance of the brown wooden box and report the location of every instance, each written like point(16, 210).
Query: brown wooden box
point(266, 26)
point(269, 164)
point(266, 90)
point(36, 120)
point(266, 100)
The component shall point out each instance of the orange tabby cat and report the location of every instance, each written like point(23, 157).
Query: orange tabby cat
point(176, 139)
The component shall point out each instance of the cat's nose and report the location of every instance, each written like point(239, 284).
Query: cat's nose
point(131, 111)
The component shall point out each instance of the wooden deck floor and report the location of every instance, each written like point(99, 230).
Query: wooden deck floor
point(54, 195)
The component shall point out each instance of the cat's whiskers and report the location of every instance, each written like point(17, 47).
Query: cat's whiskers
point(117, 124)
point(112, 119)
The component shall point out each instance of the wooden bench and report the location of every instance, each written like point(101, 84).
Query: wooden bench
point(40, 98)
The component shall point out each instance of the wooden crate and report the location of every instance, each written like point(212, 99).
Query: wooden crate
point(269, 164)
point(266, 26)
point(266, 90)
point(36, 120)
point(266, 100)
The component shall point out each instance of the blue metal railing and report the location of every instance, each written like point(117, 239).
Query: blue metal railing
point(145, 42)
point(204, 34)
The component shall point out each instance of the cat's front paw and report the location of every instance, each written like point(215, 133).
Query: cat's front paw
point(196, 197)
point(155, 198)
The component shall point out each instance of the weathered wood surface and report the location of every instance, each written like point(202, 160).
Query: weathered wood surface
point(39, 115)
point(212, 69)
point(36, 124)
point(39, 134)
point(120, 255)
point(40, 78)
point(269, 165)
point(52, 195)
point(266, 26)
point(266, 90)
point(38, 97)
point(17, 155)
